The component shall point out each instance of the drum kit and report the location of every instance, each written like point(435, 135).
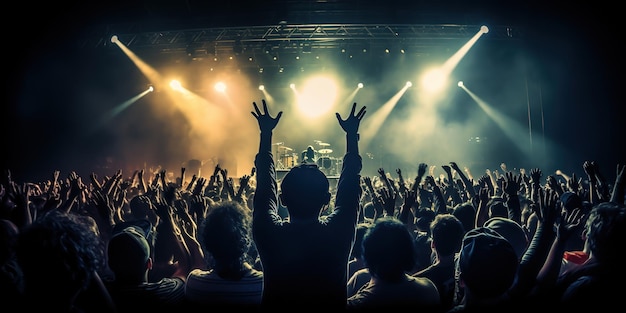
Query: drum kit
point(331, 166)
point(287, 158)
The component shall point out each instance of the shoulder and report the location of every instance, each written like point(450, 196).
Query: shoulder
point(424, 281)
point(172, 283)
point(254, 274)
point(425, 285)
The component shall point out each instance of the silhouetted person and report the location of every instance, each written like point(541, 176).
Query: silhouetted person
point(229, 280)
point(305, 256)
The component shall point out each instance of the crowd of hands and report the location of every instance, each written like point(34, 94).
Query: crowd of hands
point(176, 208)
point(186, 201)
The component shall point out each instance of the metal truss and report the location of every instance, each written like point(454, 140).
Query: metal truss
point(296, 38)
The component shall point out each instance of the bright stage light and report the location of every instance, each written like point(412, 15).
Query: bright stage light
point(220, 87)
point(484, 29)
point(360, 85)
point(261, 87)
point(460, 83)
point(292, 86)
point(114, 39)
point(176, 85)
point(317, 96)
point(408, 84)
point(434, 80)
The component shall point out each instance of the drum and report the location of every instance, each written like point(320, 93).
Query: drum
point(288, 160)
point(325, 162)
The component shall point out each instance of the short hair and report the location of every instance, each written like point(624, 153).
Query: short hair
point(305, 183)
point(388, 249)
point(447, 234)
point(466, 213)
point(225, 232)
point(606, 231)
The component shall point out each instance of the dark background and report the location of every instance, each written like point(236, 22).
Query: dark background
point(575, 48)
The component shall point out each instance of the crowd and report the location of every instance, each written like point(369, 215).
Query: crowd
point(507, 239)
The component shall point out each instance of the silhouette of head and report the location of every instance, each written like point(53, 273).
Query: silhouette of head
point(225, 233)
point(58, 255)
point(388, 249)
point(606, 230)
point(447, 232)
point(487, 263)
point(129, 255)
point(305, 190)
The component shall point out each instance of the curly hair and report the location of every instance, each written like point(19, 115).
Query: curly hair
point(606, 230)
point(59, 250)
point(225, 232)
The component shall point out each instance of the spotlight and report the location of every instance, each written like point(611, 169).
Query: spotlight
point(409, 84)
point(484, 29)
point(150, 88)
point(261, 87)
point(460, 83)
point(292, 86)
point(114, 39)
point(360, 85)
point(220, 87)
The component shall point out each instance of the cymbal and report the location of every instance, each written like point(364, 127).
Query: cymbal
point(324, 144)
point(325, 151)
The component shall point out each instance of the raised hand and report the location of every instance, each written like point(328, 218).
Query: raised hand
point(382, 173)
point(243, 185)
point(548, 210)
point(351, 124)
point(589, 168)
point(388, 200)
point(421, 169)
point(511, 184)
point(569, 223)
point(267, 123)
point(554, 184)
point(535, 176)
point(574, 183)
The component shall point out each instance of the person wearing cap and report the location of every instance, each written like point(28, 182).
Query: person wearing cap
point(485, 270)
point(511, 231)
point(305, 256)
point(130, 260)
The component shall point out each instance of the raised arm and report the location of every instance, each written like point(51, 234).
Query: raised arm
point(348, 188)
point(266, 195)
point(351, 127)
point(466, 181)
point(617, 195)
